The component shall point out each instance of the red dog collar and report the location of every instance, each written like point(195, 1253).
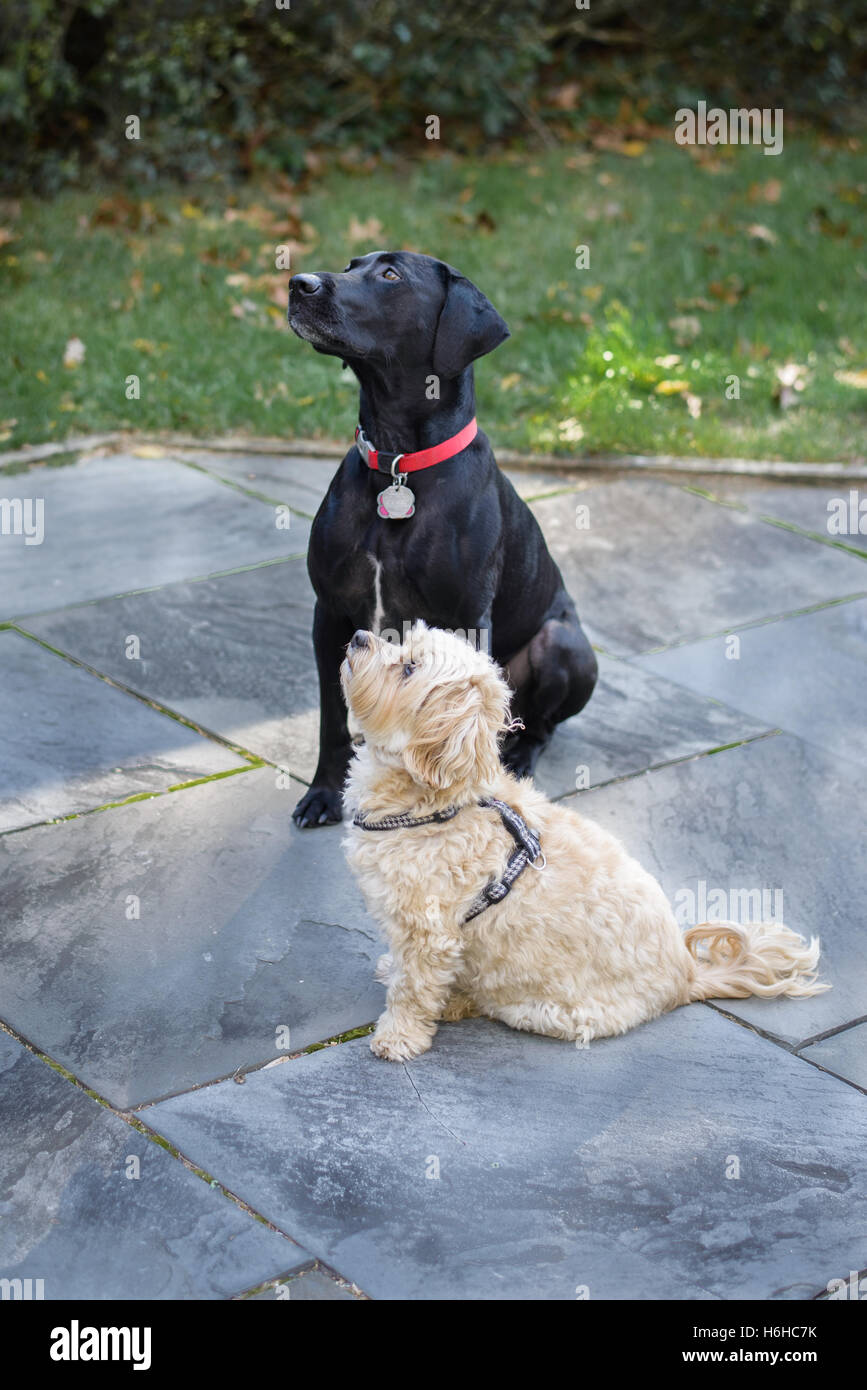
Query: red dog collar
point(423, 458)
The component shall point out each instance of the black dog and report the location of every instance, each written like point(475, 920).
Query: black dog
point(453, 543)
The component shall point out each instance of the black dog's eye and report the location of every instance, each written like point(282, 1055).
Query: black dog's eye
point(408, 669)
point(389, 274)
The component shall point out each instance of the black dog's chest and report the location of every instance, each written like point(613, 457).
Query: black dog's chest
point(383, 573)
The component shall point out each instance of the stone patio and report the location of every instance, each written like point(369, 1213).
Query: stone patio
point(172, 945)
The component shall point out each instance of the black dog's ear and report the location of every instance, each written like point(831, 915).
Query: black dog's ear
point(469, 326)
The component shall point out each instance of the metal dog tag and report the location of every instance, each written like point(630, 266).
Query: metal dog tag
point(396, 502)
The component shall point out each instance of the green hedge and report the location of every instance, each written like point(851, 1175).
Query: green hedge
point(236, 84)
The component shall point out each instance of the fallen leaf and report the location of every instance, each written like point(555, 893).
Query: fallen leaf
point(792, 374)
point(791, 380)
point(565, 98)
point(570, 431)
point(761, 233)
point(766, 192)
point(856, 379)
point(74, 353)
point(671, 388)
point(242, 309)
point(686, 328)
point(729, 291)
point(757, 351)
point(149, 451)
point(117, 211)
point(216, 256)
point(278, 291)
point(584, 160)
point(370, 230)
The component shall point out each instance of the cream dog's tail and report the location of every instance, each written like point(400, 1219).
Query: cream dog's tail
point(766, 958)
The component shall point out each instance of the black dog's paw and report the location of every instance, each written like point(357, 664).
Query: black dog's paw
point(318, 806)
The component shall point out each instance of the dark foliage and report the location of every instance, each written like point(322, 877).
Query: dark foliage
point(235, 84)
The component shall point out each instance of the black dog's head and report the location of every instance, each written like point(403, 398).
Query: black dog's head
point(396, 306)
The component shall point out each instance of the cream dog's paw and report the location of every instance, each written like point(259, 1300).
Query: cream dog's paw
point(383, 969)
point(395, 1046)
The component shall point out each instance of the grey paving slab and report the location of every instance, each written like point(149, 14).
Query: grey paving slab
point(310, 1286)
point(250, 939)
point(827, 509)
point(658, 565)
point(557, 1167)
point(777, 818)
point(806, 674)
point(72, 742)
point(845, 1054)
point(233, 654)
point(537, 482)
point(299, 481)
point(121, 523)
point(635, 722)
point(302, 481)
point(73, 1218)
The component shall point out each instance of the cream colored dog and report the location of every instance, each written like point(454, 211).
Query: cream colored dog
point(585, 943)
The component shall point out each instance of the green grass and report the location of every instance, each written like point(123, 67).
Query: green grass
point(668, 239)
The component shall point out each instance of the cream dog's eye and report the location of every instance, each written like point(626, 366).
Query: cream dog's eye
point(409, 667)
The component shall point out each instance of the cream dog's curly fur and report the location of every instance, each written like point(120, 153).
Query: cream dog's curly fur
point(585, 948)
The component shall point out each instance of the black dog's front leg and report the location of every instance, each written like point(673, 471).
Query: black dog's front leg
point(322, 803)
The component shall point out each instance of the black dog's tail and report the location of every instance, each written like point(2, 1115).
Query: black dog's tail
point(765, 958)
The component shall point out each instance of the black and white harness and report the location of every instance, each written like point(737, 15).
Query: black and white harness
point(528, 847)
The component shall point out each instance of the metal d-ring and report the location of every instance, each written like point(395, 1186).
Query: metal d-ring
point(397, 478)
point(539, 867)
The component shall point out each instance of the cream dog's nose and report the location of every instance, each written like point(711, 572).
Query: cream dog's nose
point(360, 639)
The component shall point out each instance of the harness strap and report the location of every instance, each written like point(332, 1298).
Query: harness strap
point(528, 849)
point(404, 821)
point(528, 846)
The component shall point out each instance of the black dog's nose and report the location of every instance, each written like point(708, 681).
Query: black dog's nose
point(305, 284)
point(360, 639)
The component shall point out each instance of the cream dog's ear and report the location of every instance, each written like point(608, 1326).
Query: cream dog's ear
point(455, 743)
